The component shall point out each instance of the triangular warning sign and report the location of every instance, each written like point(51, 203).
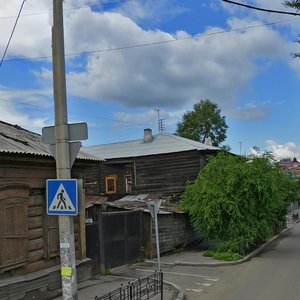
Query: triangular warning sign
point(61, 200)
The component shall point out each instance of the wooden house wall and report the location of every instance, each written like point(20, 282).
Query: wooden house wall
point(168, 173)
point(119, 168)
point(42, 230)
point(162, 173)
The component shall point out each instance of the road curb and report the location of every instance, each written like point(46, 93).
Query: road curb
point(240, 261)
point(179, 291)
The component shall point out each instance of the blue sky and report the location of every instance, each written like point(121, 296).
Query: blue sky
point(211, 50)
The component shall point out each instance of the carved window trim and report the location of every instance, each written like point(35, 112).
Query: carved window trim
point(111, 184)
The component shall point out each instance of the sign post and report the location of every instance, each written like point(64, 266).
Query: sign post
point(60, 199)
point(153, 207)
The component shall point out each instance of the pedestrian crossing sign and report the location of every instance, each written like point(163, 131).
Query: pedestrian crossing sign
point(62, 197)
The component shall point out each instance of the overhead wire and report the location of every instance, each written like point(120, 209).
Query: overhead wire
point(64, 9)
point(152, 43)
point(125, 123)
point(12, 32)
point(263, 9)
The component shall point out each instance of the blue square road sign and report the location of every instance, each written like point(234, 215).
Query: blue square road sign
point(62, 197)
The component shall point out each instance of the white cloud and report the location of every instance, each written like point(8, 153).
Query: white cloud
point(168, 75)
point(250, 111)
point(150, 10)
point(171, 76)
point(32, 36)
point(280, 151)
point(27, 108)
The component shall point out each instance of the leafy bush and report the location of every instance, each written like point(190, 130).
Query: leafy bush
point(237, 200)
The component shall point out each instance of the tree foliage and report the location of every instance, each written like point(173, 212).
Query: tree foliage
point(296, 5)
point(203, 122)
point(237, 200)
point(293, 4)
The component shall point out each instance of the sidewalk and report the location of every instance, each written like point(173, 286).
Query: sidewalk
point(101, 285)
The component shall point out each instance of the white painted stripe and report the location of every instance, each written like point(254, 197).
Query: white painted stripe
point(203, 284)
point(197, 290)
point(205, 277)
point(212, 279)
point(194, 290)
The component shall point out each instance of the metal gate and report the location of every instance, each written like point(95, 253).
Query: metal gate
point(93, 246)
point(115, 240)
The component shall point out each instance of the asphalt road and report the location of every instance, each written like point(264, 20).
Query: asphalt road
point(273, 275)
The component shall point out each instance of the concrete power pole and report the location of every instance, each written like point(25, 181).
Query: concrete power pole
point(63, 168)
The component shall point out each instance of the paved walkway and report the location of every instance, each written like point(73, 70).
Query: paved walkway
point(101, 285)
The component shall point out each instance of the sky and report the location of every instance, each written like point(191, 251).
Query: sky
point(130, 62)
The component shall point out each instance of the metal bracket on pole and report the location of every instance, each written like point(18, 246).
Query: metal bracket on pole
point(153, 207)
point(77, 132)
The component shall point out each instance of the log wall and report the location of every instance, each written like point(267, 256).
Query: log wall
point(42, 242)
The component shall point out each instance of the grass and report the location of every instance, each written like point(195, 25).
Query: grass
point(227, 256)
point(108, 271)
point(136, 261)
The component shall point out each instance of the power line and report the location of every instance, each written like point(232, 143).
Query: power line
point(263, 9)
point(12, 33)
point(150, 44)
point(43, 12)
point(65, 9)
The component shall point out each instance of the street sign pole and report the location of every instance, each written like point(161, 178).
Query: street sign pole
point(157, 242)
point(63, 168)
point(153, 207)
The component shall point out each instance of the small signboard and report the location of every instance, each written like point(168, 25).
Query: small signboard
point(62, 197)
point(153, 207)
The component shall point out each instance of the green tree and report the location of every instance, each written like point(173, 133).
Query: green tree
point(203, 122)
point(238, 200)
point(293, 4)
point(296, 5)
point(226, 148)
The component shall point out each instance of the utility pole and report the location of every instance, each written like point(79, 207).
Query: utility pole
point(63, 167)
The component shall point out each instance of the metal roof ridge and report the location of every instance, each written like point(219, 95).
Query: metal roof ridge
point(189, 141)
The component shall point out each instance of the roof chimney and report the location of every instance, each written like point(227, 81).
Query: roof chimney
point(208, 141)
point(148, 135)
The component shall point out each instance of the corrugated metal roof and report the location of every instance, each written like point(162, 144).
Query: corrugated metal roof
point(160, 144)
point(15, 139)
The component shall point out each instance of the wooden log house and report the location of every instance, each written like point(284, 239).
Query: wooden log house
point(29, 239)
point(161, 163)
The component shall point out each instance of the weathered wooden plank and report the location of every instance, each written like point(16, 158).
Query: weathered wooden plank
point(35, 233)
point(36, 244)
point(35, 222)
point(35, 211)
point(82, 234)
point(34, 256)
point(41, 264)
point(36, 200)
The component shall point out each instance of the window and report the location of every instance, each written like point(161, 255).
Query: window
point(14, 227)
point(111, 184)
point(128, 184)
